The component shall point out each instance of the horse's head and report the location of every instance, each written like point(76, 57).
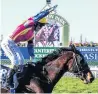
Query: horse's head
point(80, 67)
point(66, 59)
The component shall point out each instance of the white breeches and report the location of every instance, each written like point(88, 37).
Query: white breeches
point(12, 51)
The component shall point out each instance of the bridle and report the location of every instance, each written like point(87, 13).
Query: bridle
point(77, 68)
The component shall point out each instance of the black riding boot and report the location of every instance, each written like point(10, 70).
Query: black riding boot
point(10, 78)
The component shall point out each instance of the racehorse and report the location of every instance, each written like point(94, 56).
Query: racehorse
point(43, 76)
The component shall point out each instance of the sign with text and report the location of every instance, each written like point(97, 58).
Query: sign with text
point(90, 53)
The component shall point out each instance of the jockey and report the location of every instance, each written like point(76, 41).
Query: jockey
point(24, 32)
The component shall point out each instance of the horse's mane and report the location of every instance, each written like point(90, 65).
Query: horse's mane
point(55, 54)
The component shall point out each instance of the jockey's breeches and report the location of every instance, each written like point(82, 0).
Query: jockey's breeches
point(12, 51)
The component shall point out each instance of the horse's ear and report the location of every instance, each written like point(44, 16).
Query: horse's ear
point(73, 47)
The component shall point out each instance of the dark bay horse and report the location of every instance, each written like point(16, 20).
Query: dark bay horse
point(43, 76)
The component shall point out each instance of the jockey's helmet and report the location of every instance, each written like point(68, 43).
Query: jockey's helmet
point(43, 20)
point(40, 24)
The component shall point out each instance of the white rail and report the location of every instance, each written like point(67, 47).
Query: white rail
point(94, 69)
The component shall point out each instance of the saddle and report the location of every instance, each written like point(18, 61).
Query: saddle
point(26, 71)
point(32, 71)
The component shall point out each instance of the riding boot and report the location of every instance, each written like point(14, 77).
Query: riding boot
point(10, 78)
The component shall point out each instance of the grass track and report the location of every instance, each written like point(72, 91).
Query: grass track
point(75, 85)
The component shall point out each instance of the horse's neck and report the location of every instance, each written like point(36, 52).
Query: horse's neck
point(55, 68)
point(58, 66)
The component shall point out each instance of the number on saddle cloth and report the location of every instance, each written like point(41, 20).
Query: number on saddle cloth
point(3, 73)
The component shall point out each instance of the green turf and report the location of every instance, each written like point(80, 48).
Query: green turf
point(75, 85)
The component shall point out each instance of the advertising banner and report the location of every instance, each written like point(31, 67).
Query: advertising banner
point(90, 53)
